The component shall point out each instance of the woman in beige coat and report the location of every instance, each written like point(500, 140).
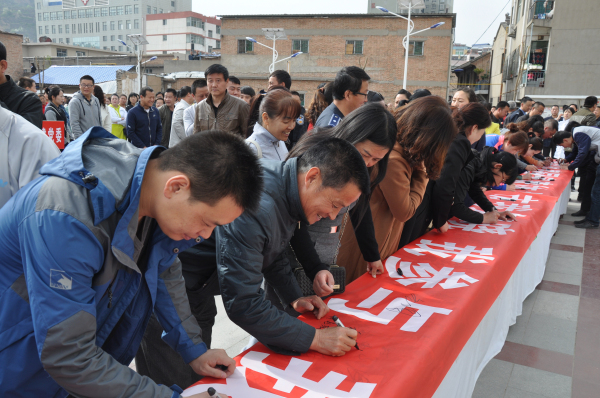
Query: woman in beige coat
point(425, 131)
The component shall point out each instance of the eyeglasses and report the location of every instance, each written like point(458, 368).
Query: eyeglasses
point(359, 93)
point(86, 85)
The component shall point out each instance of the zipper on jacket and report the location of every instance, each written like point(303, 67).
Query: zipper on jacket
point(149, 129)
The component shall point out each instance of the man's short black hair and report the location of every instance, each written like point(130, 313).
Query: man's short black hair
point(349, 78)
point(552, 123)
point(159, 93)
point(374, 96)
point(217, 69)
point(184, 91)
point(340, 164)
point(247, 90)
point(198, 83)
point(555, 106)
point(172, 91)
point(234, 80)
point(590, 101)
point(145, 90)
point(282, 77)
point(538, 104)
point(2, 52)
point(405, 92)
point(295, 93)
point(218, 164)
point(26, 82)
point(560, 136)
point(525, 99)
point(87, 77)
point(502, 105)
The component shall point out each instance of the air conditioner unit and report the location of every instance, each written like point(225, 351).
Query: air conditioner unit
point(512, 31)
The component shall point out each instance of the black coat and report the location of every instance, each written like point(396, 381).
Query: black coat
point(468, 185)
point(21, 101)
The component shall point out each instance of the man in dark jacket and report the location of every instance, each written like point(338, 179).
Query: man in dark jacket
point(166, 115)
point(325, 179)
point(144, 128)
point(585, 116)
point(16, 99)
point(526, 104)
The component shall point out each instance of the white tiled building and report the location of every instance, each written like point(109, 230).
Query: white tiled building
point(182, 32)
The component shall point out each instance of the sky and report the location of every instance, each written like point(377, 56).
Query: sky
point(472, 19)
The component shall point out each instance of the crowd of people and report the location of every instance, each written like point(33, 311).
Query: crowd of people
point(160, 202)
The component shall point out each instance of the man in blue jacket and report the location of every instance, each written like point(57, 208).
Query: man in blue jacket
point(89, 252)
point(143, 123)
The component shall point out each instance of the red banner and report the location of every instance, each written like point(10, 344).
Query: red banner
point(56, 132)
point(413, 325)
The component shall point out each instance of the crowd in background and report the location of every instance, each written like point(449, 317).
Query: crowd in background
point(346, 181)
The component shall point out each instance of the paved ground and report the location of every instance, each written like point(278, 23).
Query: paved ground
point(553, 351)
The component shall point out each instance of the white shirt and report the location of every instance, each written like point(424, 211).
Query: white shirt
point(178, 123)
point(189, 116)
point(116, 117)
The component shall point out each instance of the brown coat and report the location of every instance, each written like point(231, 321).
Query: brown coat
point(232, 115)
point(393, 202)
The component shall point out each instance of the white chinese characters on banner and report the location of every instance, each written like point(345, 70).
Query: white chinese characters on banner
point(517, 198)
point(449, 249)
point(499, 228)
point(292, 376)
point(511, 206)
point(419, 313)
point(426, 274)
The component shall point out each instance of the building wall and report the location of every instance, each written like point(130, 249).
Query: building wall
point(498, 56)
point(51, 50)
point(156, 6)
point(431, 6)
point(14, 53)
point(175, 32)
point(382, 58)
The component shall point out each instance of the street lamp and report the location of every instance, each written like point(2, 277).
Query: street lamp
point(139, 40)
point(273, 34)
point(412, 4)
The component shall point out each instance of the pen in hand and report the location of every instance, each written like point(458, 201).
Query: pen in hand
point(340, 324)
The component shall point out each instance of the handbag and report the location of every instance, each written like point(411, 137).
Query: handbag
point(339, 273)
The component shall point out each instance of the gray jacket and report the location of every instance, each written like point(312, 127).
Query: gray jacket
point(584, 117)
point(84, 114)
point(270, 147)
point(252, 247)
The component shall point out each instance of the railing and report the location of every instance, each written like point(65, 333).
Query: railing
point(534, 78)
point(540, 8)
point(482, 85)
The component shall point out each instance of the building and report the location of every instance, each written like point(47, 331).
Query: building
point(14, 53)
point(45, 50)
point(550, 53)
point(330, 42)
point(475, 74)
point(99, 23)
point(497, 63)
point(430, 6)
point(182, 32)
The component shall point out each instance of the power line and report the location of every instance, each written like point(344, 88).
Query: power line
point(492, 22)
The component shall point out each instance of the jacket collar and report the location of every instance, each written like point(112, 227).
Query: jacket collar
point(290, 182)
point(263, 133)
point(209, 99)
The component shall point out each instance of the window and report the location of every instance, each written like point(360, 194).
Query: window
point(172, 3)
point(197, 39)
point(136, 23)
point(415, 48)
point(301, 98)
point(128, 24)
point(40, 29)
point(112, 37)
point(39, 6)
point(104, 26)
point(105, 11)
point(149, 10)
point(79, 53)
point(85, 28)
point(218, 47)
point(97, 12)
point(120, 10)
point(218, 30)
point(245, 47)
point(89, 13)
point(97, 27)
point(52, 16)
point(112, 25)
point(39, 16)
point(112, 11)
point(67, 14)
point(60, 29)
point(136, 9)
point(73, 14)
point(164, 37)
point(164, 52)
point(210, 49)
point(67, 40)
point(210, 33)
point(47, 29)
point(113, 48)
point(60, 40)
point(61, 52)
point(81, 14)
point(155, 12)
point(160, 10)
point(53, 40)
point(74, 28)
point(354, 47)
point(67, 28)
point(120, 48)
point(59, 15)
point(104, 38)
point(120, 37)
point(128, 10)
point(299, 46)
point(120, 25)
point(79, 30)
point(46, 16)
point(53, 29)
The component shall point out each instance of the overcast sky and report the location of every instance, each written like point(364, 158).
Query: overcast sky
point(473, 16)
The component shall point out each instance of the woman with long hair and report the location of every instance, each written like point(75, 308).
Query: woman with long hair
point(322, 99)
point(372, 130)
point(425, 131)
point(275, 113)
point(131, 101)
point(104, 113)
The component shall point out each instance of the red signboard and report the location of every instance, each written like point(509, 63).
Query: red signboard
point(56, 132)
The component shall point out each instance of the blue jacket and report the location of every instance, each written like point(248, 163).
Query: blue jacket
point(73, 302)
point(330, 117)
point(143, 128)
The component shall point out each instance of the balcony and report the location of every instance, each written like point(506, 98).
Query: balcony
point(534, 78)
point(541, 11)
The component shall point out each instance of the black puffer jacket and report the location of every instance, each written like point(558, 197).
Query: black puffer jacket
point(21, 101)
